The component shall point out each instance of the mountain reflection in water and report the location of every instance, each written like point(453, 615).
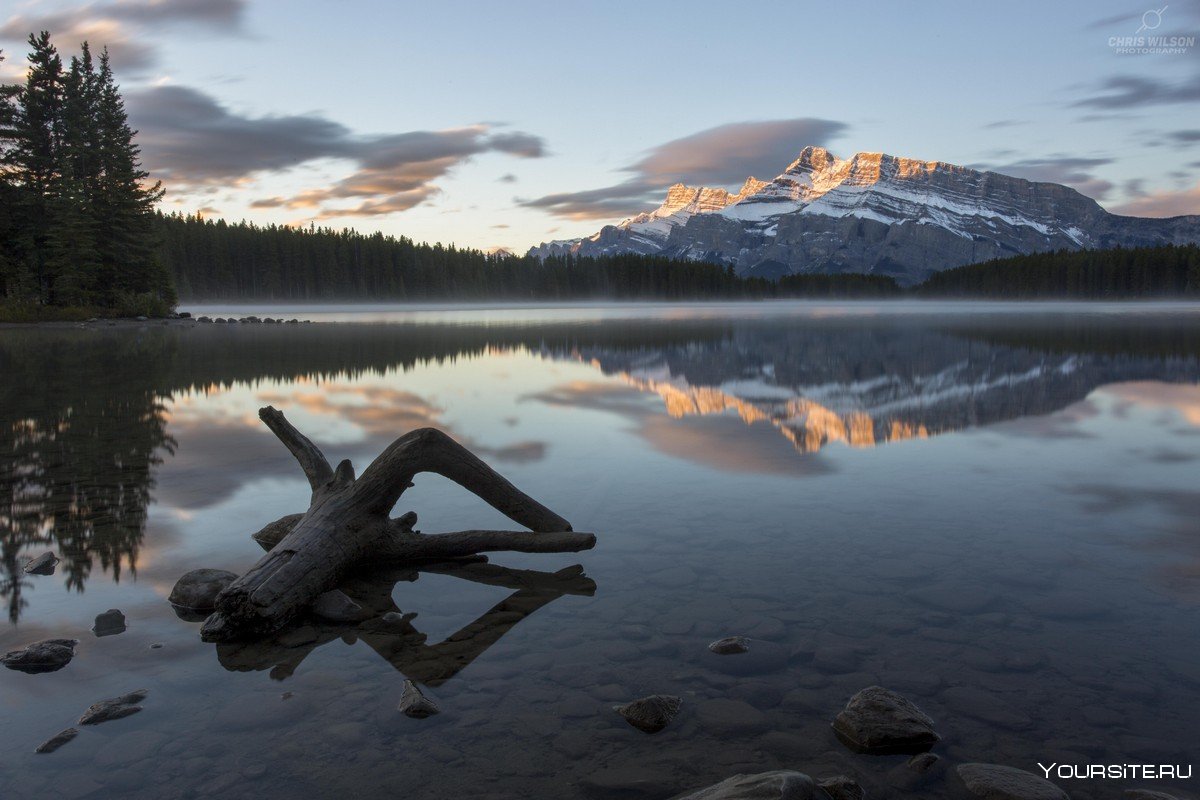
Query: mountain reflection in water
point(86, 411)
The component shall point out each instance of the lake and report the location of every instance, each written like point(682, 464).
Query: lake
point(992, 509)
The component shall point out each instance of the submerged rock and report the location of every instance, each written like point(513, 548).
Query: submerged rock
point(651, 714)
point(877, 721)
point(335, 606)
point(779, 784)
point(48, 655)
point(113, 708)
point(57, 740)
point(110, 623)
point(415, 704)
point(759, 658)
point(42, 565)
point(197, 590)
point(997, 782)
point(730, 645)
point(843, 788)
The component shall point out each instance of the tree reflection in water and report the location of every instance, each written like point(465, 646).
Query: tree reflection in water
point(86, 422)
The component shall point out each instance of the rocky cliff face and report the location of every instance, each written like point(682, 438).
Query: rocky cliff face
point(873, 213)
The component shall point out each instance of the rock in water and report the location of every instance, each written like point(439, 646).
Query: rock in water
point(651, 714)
point(843, 788)
point(57, 740)
point(996, 782)
point(197, 590)
point(730, 645)
point(335, 606)
point(47, 655)
point(879, 721)
point(115, 708)
point(776, 785)
point(42, 565)
point(416, 705)
point(110, 623)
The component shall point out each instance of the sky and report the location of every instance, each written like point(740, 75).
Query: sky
point(489, 124)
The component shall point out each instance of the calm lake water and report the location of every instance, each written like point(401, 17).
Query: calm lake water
point(993, 510)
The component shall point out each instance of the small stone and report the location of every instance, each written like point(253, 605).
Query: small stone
point(110, 623)
point(842, 788)
point(42, 565)
point(48, 655)
point(57, 740)
point(156, 646)
point(996, 782)
point(879, 721)
point(197, 590)
point(776, 785)
point(415, 704)
point(335, 606)
point(114, 708)
point(730, 645)
point(650, 714)
point(761, 658)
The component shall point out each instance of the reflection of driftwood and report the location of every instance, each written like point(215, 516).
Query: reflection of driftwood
point(347, 524)
point(397, 640)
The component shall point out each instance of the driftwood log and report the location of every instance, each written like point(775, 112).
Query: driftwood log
point(347, 525)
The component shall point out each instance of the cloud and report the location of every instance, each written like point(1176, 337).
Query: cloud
point(188, 139)
point(1134, 91)
point(1186, 136)
point(1005, 123)
point(1162, 203)
point(1073, 171)
point(116, 25)
point(722, 156)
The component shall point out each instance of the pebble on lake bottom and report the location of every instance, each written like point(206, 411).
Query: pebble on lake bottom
point(48, 655)
point(113, 708)
point(415, 704)
point(57, 740)
point(651, 714)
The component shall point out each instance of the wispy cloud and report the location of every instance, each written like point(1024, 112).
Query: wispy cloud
point(1137, 91)
point(117, 24)
point(190, 140)
point(722, 156)
point(1073, 171)
point(1162, 203)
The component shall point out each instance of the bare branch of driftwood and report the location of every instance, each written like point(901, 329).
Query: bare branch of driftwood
point(311, 459)
point(346, 525)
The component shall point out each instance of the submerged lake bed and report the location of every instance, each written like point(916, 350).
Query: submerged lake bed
point(988, 508)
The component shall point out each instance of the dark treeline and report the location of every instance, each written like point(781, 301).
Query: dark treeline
point(1167, 271)
point(215, 260)
point(76, 209)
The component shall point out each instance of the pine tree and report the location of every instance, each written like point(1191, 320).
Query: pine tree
point(10, 255)
point(36, 159)
point(124, 207)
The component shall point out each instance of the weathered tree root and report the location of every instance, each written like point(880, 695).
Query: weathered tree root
point(347, 524)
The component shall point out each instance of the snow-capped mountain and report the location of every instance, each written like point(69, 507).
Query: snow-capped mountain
point(872, 213)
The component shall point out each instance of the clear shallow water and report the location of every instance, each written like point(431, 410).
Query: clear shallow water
point(993, 511)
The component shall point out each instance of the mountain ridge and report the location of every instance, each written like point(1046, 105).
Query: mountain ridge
point(872, 213)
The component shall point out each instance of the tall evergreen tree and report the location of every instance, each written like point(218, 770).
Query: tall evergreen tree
point(10, 256)
point(125, 200)
point(36, 159)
